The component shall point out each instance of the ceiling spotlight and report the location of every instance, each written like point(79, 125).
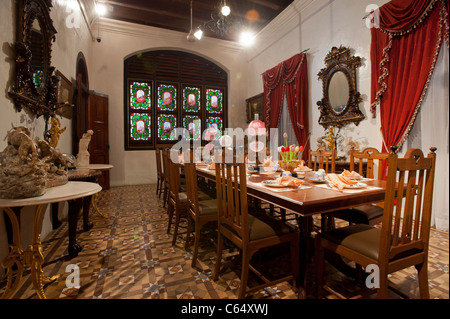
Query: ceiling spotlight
point(247, 38)
point(225, 9)
point(100, 9)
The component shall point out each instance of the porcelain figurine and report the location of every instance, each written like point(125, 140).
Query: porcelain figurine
point(83, 153)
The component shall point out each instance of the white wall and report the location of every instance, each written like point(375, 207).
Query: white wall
point(318, 26)
point(69, 41)
point(121, 40)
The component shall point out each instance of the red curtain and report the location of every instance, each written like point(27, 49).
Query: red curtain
point(289, 77)
point(404, 50)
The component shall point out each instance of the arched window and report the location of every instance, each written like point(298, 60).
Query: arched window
point(167, 89)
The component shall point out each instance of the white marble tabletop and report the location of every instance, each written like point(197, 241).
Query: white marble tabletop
point(71, 190)
point(102, 167)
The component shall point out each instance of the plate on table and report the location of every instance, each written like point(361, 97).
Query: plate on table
point(274, 183)
point(303, 170)
point(356, 186)
point(271, 183)
point(319, 181)
point(201, 165)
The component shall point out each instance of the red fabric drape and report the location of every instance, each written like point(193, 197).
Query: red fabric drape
point(289, 77)
point(404, 51)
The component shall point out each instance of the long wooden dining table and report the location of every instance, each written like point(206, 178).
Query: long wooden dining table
point(306, 201)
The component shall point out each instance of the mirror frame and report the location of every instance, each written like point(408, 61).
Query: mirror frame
point(339, 59)
point(24, 93)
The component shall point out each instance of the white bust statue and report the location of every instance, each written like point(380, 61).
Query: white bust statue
point(83, 153)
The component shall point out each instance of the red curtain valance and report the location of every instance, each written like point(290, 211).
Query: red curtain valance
point(404, 50)
point(289, 77)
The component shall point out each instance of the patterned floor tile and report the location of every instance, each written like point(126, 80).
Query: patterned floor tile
point(129, 255)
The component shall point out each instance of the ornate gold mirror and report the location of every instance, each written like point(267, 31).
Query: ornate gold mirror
point(340, 103)
point(35, 86)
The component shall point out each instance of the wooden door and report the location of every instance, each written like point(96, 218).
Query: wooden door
point(99, 145)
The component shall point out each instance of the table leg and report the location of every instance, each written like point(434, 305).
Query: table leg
point(34, 257)
point(86, 207)
point(31, 256)
point(12, 263)
point(94, 205)
point(74, 209)
point(55, 221)
point(305, 226)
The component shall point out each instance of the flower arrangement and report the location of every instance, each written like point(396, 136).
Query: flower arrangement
point(290, 153)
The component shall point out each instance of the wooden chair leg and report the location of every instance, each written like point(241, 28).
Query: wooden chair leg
point(166, 195)
point(246, 256)
point(382, 292)
point(219, 256)
point(188, 232)
point(170, 210)
point(175, 228)
point(422, 270)
point(160, 186)
point(196, 244)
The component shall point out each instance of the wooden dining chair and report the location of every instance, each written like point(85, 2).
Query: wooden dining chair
point(403, 238)
point(199, 211)
point(160, 173)
point(177, 198)
point(165, 158)
point(370, 214)
point(177, 201)
point(249, 232)
point(322, 159)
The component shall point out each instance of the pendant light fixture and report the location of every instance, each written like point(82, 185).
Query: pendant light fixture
point(191, 37)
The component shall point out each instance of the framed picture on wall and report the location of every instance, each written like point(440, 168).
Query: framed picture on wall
point(255, 105)
point(64, 96)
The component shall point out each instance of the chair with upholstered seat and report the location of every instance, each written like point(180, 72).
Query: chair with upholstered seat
point(160, 173)
point(249, 232)
point(199, 211)
point(403, 238)
point(322, 159)
point(177, 199)
point(326, 160)
point(370, 214)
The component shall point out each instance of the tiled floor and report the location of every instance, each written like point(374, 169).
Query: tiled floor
point(129, 255)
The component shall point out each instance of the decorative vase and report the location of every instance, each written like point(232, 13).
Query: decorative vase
point(289, 166)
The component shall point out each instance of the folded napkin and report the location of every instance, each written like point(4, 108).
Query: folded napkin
point(289, 181)
point(339, 181)
point(351, 175)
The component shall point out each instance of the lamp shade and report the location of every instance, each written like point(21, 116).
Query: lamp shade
point(256, 127)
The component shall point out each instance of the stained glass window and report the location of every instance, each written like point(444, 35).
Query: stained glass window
point(193, 125)
point(191, 99)
point(167, 97)
point(215, 126)
point(38, 77)
point(166, 123)
point(140, 127)
point(140, 95)
point(214, 101)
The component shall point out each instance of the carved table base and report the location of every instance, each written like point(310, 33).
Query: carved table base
point(31, 257)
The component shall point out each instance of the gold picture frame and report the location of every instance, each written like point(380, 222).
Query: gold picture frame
point(64, 100)
point(255, 105)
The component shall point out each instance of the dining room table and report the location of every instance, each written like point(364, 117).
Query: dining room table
point(309, 199)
